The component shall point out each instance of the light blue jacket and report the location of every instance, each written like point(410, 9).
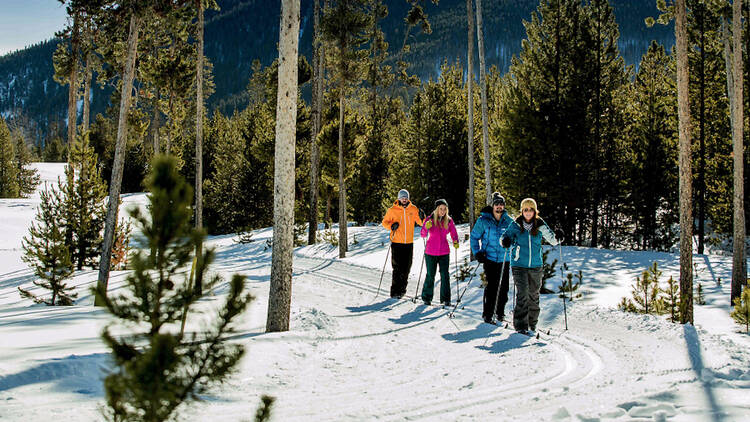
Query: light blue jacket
point(485, 236)
point(526, 250)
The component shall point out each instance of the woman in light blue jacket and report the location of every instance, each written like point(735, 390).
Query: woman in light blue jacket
point(524, 238)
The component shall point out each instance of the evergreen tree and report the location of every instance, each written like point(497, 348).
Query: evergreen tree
point(343, 25)
point(157, 367)
point(47, 253)
point(428, 157)
point(672, 299)
point(741, 311)
point(55, 151)
point(8, 169)
point(652, 135)
point(645, 293)
point(28, 178)
point(83, 196)
point(280, 290)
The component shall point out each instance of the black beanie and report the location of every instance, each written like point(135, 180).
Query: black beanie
point(441, 202)
point(497, 199)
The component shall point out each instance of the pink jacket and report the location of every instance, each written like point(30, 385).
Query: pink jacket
point(437, 243)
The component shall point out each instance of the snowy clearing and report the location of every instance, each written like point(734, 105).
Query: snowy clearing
point(355, 355)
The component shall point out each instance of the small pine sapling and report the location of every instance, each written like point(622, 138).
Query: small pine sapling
point(299, 232)
point(548, 272)
point(121, 246)
point(671, 299)
point(46, 251)
point(741, 312)
point(645, 292)
point(568, 286)
point(464, 271)
point(700, 298)
point(244, 237)
point(158, 368)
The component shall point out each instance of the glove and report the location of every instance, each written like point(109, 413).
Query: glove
point(505, 242)
point(455, 244)
point(481, 257)
point(428, 224)
point(394, 226)
point(559, 235)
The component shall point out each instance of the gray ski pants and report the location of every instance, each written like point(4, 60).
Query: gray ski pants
point(528, 282)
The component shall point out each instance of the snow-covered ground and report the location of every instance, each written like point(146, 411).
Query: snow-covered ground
point(354, 354)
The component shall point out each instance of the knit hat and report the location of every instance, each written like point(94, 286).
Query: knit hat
point(529, 203)
point(403, 193)
point(440, 202)
point(497, 199)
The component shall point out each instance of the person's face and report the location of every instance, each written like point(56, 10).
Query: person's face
point(441, 211)
point(498, 208)
point(528, 213)
point(403, 200)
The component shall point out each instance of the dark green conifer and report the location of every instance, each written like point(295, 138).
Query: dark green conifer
point(8, 170)
point(157, 367)
point(46, 252)
point(83, 197)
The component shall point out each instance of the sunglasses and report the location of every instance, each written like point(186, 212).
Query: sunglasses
point(527, 209)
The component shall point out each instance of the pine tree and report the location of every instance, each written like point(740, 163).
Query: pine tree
point(741, 312)
point(280, 294)
point(645, 293)
point(8, 169)
point(157, 368)
point(685, 166)
point(672, 299)
point(46, 252)
point(652, 135)
point(28, 177)
point(83, 196)
point(343, 27)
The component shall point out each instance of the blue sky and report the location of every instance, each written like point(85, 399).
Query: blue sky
point(26, 22)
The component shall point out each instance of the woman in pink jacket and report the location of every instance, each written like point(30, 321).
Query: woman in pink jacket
point(438, 225)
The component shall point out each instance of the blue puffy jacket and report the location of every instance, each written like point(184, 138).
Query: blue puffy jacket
point(485, 236)
point(526, 249)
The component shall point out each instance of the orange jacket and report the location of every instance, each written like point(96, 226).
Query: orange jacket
point(406, 217)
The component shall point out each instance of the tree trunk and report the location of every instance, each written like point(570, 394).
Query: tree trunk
point(343, 236)
point(470, 119)
point(119, 159)
point(280, 294)
point(317, 99)
point(686, 208)
point(701, 16)
point(739, 274)
point(483, 87)
point(199, 137)
point(73, 81)
point(155, 123)
point(87, 94)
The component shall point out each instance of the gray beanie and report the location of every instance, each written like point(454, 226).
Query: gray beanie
point(403, 193)
point(497, 199)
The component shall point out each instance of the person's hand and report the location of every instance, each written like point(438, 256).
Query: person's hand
point(428, 224)
point(481, 257)
point(559, 235)
point(455, 244)
point(394, 226)
point(505, 242)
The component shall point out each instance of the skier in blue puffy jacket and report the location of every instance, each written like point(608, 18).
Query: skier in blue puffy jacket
point(524, 238)
point(485, 245)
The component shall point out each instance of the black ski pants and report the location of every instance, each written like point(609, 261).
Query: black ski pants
point(401, 257)
point(492, 274)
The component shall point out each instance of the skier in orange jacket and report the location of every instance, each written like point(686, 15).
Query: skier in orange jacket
point(400, 220)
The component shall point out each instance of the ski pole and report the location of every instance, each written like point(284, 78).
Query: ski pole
point(562, 274)
point(456, 264)
point(499, 283)
point(450, 314)
point(384, 264)
point(419, 279)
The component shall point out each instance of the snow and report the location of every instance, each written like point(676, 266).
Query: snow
point(352, 353)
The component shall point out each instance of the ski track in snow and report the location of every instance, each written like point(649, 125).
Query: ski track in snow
point(353, 353)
